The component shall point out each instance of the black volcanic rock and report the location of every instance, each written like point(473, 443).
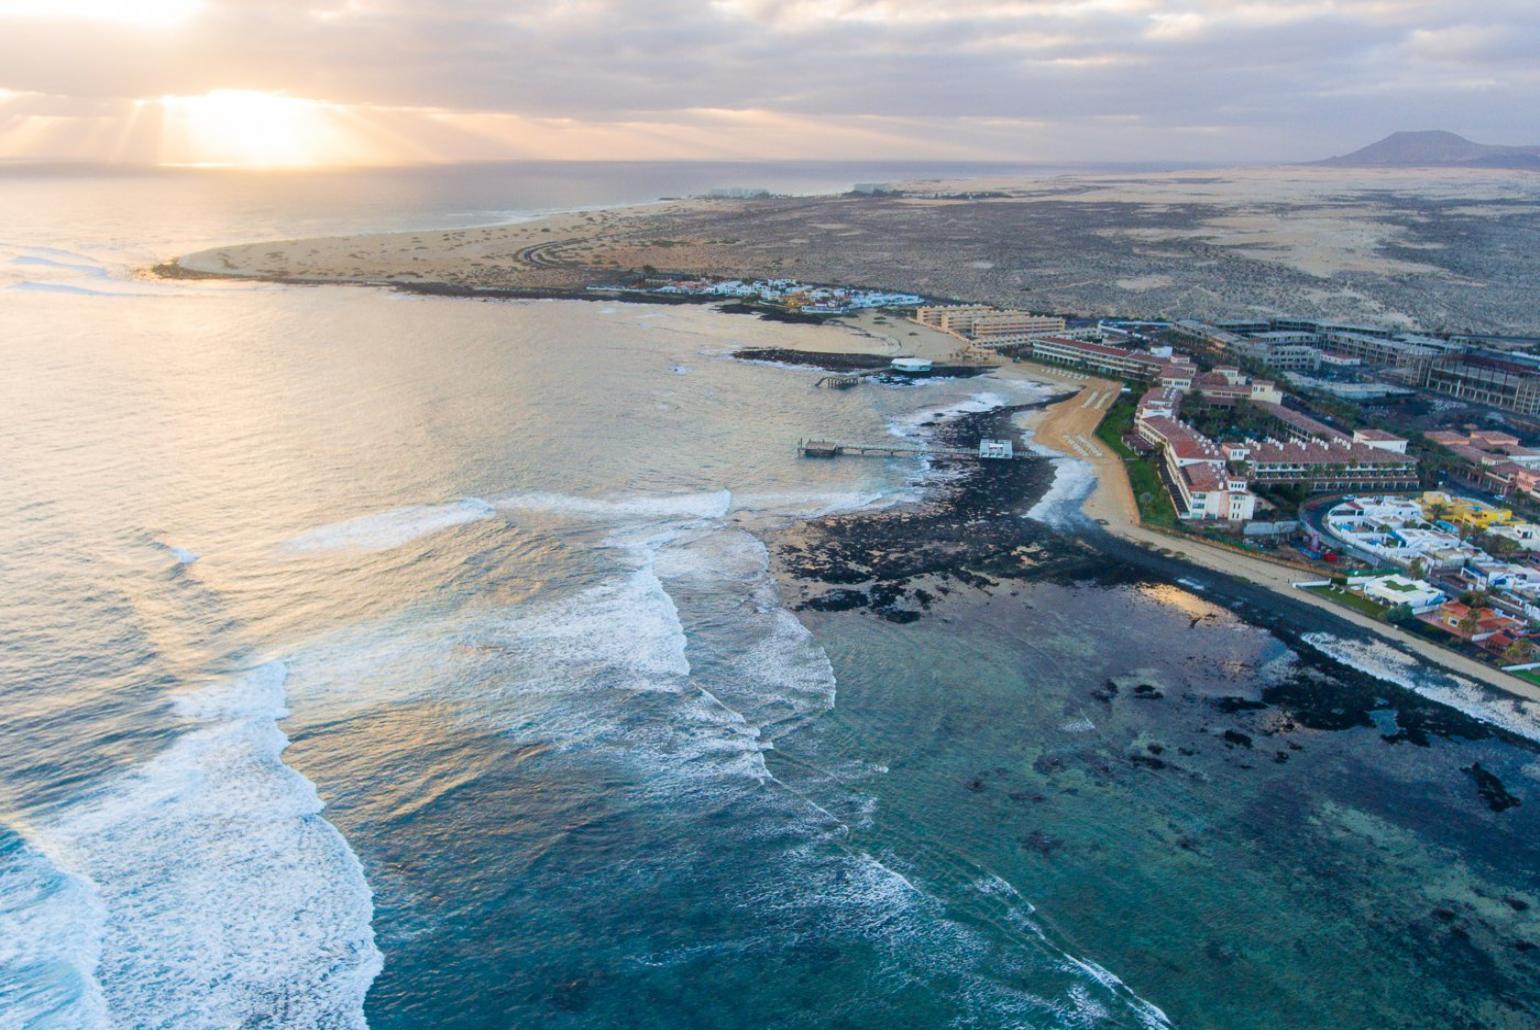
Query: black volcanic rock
point(1436, 148)
point(1491, 789)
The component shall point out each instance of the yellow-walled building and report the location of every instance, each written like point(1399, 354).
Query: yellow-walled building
point(1476, 514)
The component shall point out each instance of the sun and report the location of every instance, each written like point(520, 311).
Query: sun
point(250, 128)
point(129, 12)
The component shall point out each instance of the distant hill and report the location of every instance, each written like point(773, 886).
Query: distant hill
point(1435, 148)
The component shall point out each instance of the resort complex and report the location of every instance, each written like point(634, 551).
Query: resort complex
point(786, 294)
point(1273, 439)
point(1492, 461)
point(1211, 478)
point(1105, 359)
point(985, 326)
point(1371, 358)
point(1241, 459)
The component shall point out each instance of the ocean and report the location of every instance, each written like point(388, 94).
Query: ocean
point(373, 659)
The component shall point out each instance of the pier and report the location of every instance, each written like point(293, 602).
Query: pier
point(988, 450)
point(841, 382)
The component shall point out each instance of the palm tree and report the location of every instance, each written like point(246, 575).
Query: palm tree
point(1519, 652)
point(1498, 545)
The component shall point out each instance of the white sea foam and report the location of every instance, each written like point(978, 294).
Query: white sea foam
point(1149, 1015)
point(1001, 393)
point(217, 895)
point(182, 555)
point(568, 671)
point(1083, 1005)
point(1073, 481)
point(711, 558)
point(913, 424)
point(509, 665)
point(709, 505)
point(33, 286)
point(782, 662)
point(561, 668)
point(860, 894)
point(763, 663)
point(813, 504)
point(784, 366)
point(679, 661)
point(623, 633)
point(1383, 661)
point(387, 530)
point(582, 654)
point(50, 945)
point(83, 266)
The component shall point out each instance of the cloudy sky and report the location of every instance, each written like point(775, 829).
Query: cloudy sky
point(386, 81)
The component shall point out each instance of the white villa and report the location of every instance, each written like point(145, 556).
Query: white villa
point(1394, 530)
point(1525, 534)
point(1420, 595)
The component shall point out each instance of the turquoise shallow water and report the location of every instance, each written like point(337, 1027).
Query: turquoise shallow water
point(416, 662)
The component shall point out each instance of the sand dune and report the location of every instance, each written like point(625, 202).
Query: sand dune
point(1440, 249)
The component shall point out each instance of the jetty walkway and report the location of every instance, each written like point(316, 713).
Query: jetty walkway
point(991, 450)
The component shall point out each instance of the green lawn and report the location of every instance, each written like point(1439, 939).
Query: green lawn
point(1528, 675)
point(1348, 599)
point(1118, 420)
point(1155, 507)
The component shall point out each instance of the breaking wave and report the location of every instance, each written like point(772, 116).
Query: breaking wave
point(182, 555)
point(388, 530)
point(202, 888)
point(32, 286)
point(82, 265)
point(675, 660)
point(811, 504)
point(913, 424)
point(710, 505)
point(1383, 661)
point(50, 943)
point(1073, 481)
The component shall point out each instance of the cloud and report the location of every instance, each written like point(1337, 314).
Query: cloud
point(1264, 79)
